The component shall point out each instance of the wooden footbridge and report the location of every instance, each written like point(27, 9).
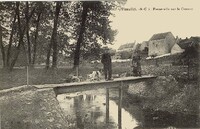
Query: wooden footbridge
point(81, 86)
point(88, 85)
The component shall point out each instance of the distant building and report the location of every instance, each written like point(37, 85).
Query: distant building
point(176, 49)
point(144, 46)
point(127, 47)
point(125, 51)
point(161, 44)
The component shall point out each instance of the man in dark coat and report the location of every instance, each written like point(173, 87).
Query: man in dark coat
point(136, 63)
point(107, 64)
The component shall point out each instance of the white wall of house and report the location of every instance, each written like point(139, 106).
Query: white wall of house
point(158, 47)
point(176, 49)
point(161, 46)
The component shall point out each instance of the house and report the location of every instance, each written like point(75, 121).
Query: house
point(127, 47)
point(125, 51)
point(176, 49)
point(161, 43)
point(144, 46)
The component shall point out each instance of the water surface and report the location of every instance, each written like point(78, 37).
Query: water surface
point(87, 110)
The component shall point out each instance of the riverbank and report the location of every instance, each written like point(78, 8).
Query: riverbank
point(28, 108)
point(165, 93)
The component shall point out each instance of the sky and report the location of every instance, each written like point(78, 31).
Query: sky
point(181, 17)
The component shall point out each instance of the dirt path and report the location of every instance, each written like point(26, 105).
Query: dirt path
point(31, 109)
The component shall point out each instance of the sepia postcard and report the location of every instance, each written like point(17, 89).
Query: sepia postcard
point(118, 64)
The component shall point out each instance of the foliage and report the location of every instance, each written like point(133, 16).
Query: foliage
point(28, 30)
point(93, 28)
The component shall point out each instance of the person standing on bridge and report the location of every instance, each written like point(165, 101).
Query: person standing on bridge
point(107, 64)
point(136, 65)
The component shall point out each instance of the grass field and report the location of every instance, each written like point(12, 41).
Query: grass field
point(18, 76)
point(40, 75)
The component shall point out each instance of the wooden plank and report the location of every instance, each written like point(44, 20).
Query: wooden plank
point(83, 86)
point(102, 82)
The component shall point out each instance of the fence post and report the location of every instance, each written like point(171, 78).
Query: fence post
point(120, 107)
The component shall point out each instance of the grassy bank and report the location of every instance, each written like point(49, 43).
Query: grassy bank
point(29, 108)
point(18, 76)
point(36, 76)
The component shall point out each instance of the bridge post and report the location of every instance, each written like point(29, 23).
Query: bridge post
point(120, 106)
point(107, 105)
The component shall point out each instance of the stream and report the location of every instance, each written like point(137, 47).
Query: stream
point(89, 110)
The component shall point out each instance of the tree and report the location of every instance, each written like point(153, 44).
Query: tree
point(22, 27)
point(28, 17)
point(13, 28)
point(2, 47)
point(85, 6)
point(76, 27)
point(37, 22)
point(21, 31)
point(53, 42)
point(41, 31)
point(190, 55)
point(94, 27)
point(54, 35)
point(7, 13)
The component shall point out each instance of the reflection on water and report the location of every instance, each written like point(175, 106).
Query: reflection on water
point(87, 110)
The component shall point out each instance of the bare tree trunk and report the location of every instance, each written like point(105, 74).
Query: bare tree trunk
point(2, 48)
point(10, 41)
point(54, 35)
point(27, 32)
point(35, 39)
point(48, 55)
point(21, 36)
point(53, 40)
point(80, 38)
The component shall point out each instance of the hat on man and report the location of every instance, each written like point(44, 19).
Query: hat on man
point(105, 49)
